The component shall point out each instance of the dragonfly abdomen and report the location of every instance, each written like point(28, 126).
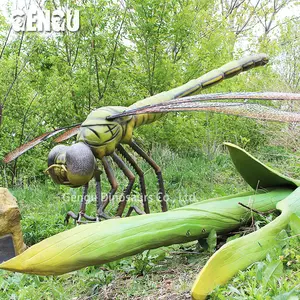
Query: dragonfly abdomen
point(147, 118)
point(213, 77)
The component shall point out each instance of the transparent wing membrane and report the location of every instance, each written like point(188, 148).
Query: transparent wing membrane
point(68, 134)
point(25, 147)
point(249, 110)
point(199, 103)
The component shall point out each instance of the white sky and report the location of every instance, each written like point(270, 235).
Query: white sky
point(7, 5)
point(21, 3)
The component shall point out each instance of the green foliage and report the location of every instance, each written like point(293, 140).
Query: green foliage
point(277, 277)
point(212, 241)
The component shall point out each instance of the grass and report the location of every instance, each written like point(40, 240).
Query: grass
point(165, 273)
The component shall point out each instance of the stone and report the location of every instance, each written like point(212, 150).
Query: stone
point(11, 237)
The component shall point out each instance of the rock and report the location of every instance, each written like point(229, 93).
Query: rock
point(10, 227)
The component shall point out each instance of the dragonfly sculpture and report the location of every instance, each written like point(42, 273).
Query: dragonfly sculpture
point(106, 129)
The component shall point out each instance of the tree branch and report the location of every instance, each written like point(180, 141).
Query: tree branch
point(5, 43)
point(114, 52)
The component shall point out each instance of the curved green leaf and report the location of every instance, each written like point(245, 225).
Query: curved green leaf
point(240, 253)
point(255, 173)
point(102, 242)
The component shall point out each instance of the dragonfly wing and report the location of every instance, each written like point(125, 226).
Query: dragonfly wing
point(25, 147)
point(197, 103)
point(66, 135)
point(248, 110)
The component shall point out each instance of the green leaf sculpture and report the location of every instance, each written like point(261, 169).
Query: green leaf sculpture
point(103, 242)
point(257, 174)
point(240, 253)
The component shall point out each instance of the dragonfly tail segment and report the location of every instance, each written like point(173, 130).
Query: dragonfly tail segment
point(213, 77)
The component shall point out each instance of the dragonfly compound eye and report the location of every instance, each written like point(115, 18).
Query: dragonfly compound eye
point(80, 164)
point(71, 165)
point(57, 164)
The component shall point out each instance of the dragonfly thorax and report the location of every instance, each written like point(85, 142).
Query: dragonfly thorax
point(101, 135)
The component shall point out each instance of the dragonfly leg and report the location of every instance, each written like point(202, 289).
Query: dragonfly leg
point(136, 209)
point(100, 213)
point(139, 171)
point(128, 189)
point(112, 180)
point(157, 170)
point(81, 214)
point(83, 203)
point(69, 215)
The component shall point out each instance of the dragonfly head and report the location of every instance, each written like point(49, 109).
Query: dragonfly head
point(71, 165)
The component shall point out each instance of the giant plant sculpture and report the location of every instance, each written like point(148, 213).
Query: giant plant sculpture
point(113, 239)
